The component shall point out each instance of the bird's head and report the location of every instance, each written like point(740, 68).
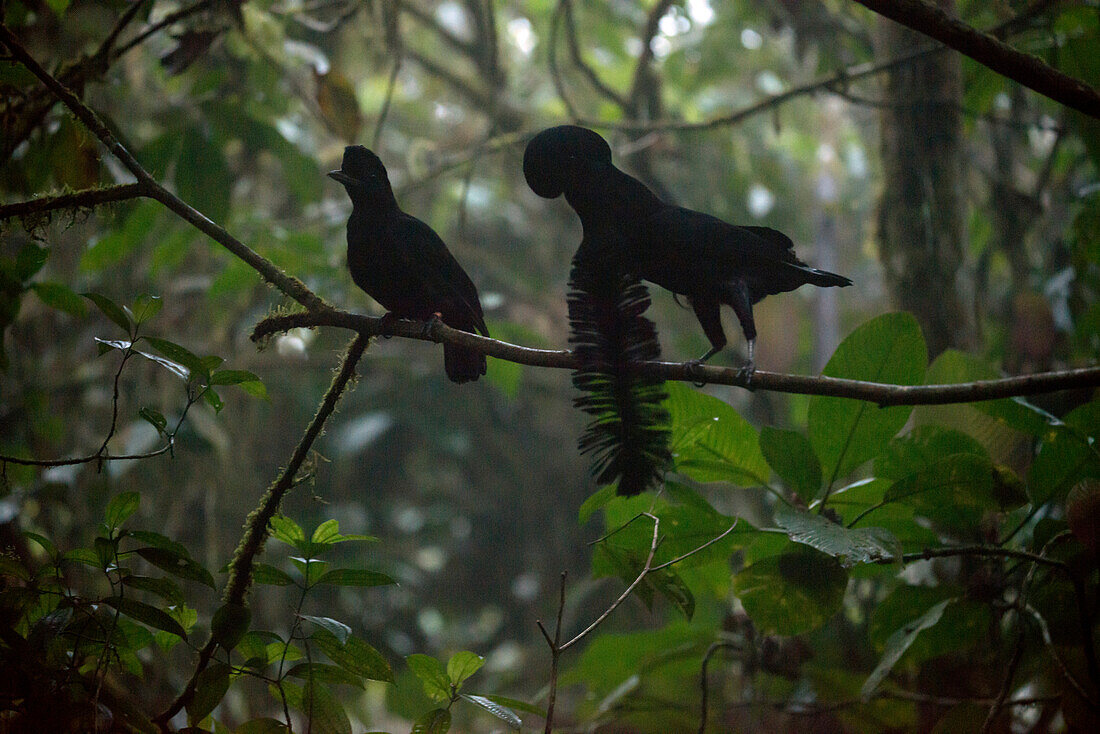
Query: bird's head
point(560, 159)
point(362, 174)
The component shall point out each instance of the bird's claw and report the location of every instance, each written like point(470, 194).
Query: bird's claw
point(695, 372)
point(430, 324)
point(386, 327)
point(746, 372)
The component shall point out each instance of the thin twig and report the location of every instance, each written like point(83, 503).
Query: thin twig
point(83, 199)
point(979, 550)
point(873, 392)
point(715, 647)
point(256, 526)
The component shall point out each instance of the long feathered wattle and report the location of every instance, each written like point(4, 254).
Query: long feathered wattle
point(629, 431)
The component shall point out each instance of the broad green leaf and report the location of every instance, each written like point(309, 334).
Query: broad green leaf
point(711, 442)
point(62, 298)
point(462, 665)
point(793, 592)
point(211, 687)
point(336, 628)
point(144, 308)
point(146, 614)
point(263, 573)
point(111, 310)
point(121, 507)
point(432, 676)
point(159, 541)
point(957, 490)
point(501, 712)
point(326, 714)
point(105, 550)
point(30, 259)
point(166, 589)
point(436, 721)
point(849, 546)
point(229, 624)
point(326, 533)
point(355, 577)
point(121, 241)
point(154, 418)
point(87, 556)
point(287, 531)
point(180, 355)
point(845, 433)
point(311, 569)
point(898, 643)
point(323, 673)
point(922, 446)
point(1068, 454)
point(791, 456)
point(176, 564)
point(42, 540)
point(354, 656)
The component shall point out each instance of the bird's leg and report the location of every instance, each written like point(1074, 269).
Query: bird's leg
point(707, 311)
point(742, 306)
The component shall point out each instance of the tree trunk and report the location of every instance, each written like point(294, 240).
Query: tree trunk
point(920, 216)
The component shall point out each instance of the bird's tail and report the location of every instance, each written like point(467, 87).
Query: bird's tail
point(629, 431)
point(463, 364)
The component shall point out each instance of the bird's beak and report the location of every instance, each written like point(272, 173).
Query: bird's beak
point(340, 176)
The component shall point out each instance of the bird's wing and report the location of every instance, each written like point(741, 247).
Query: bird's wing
point(442, 275)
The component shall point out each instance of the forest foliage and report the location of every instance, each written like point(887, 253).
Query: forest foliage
point(436, 557)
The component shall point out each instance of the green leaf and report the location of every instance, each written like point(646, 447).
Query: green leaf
point(462, 665)
point(501, 712)
point(154, 418)
point(111, 310)
point(210, 395)
point(211, 687)
point(145, 307)
point(354, 656)
point(244, 379)
point(354, 577)
point(42, 540)
point(174, 367)
point(30, 259)
point(515, 703)
point(263, 573)
point(87, 556)
point(845, 433)
point(711, 442)
point(849, 546)
point(898, 643)
point(157, 540)
point(62, 298)
point(793, 592)
point(922, 446)
point(326, 533)
point(956, 491)
point(121, 507)
point(436, 721)
point(287, 531)
point(105, 550)
point(122, 240)
point(323, 673)
point(262, 726)
point(229, 624)
point(432, 676)
point(311, 568)
point(166, 589)
point(180, 355)
point(791, 456)
point(1067, 455)
point(146, 614)
point(176, 564)
point(335, 627)
point(326, 715)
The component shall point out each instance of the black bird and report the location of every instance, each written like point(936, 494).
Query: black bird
point(692, 254)
point(403, 264)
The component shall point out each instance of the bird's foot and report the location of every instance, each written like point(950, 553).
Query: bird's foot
point(430, 324)
point(386, 327)
point(695, 372)
point(746, 372)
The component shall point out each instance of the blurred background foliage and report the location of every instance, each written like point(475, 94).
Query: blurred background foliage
point(240, 108)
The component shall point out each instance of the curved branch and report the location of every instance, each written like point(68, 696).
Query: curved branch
point(83, 199)
point(566, 9)
point(874, 392)
point(1028, 70)
point(292, 287)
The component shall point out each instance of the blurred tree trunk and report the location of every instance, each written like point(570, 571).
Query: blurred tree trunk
point(921, 211)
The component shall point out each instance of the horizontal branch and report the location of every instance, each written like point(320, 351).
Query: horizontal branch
point(1024, 68)
point(83, 199)
point(874, 392)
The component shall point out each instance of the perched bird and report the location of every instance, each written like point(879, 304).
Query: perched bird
point(403, 264)
point(628, 434)
point(706, 260)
